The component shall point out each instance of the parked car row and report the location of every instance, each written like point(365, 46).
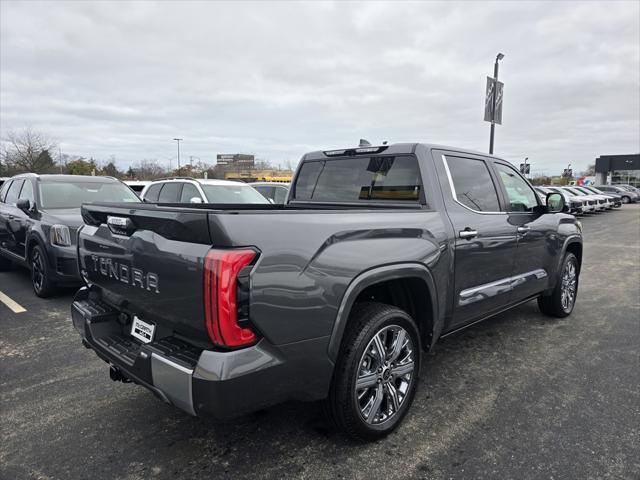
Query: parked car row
point(40, 215)
point(581, 200)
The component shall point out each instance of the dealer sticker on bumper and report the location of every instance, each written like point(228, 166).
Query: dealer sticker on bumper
point(142, 330)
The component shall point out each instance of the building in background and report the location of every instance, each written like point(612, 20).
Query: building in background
point(260, 175)
point(235, 161)
point(618, 169)
point(242, 167)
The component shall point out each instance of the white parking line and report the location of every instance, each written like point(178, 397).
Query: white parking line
point(14, 306)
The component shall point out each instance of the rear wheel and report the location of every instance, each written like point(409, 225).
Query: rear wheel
point(377, 372)
point(563, 298)
point(43, 286)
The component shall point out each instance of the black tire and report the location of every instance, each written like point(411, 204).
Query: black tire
point(626, 199)
point(43, 286)
point(5, 264)
point(556, 304)
point(342, 406)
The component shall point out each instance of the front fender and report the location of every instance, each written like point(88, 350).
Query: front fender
point(573, 239)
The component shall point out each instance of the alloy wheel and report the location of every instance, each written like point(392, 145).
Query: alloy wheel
point(37, 270)
point(385, 374)
point(569, 284)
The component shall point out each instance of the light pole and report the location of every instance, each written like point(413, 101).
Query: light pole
point(178, 140)
point(525, 167)
point(499, 57)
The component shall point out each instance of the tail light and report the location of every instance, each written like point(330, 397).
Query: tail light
point(226, 297)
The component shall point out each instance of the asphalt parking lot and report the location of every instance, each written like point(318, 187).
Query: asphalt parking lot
point(518, 396)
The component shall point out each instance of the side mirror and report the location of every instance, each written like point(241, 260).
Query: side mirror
point(195, 200)
point(555, 203)
point(23, 204)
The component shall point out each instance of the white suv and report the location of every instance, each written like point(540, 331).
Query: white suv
point(192, 190)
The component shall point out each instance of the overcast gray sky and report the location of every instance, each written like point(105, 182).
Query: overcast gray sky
point(279, 79)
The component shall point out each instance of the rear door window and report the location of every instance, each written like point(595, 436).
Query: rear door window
point(472, 184)
point(360, 179)
point(189, 191)
point(170, 193)
point(13, 192)
point(152, 192)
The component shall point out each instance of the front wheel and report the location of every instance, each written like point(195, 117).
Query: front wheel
point(563, 298)
point(626, 199)
point(43, 286)
point(377, 372)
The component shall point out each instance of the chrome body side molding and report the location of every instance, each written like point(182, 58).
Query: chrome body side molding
point(488, 290)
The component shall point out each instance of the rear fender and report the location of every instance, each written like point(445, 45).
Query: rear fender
point(378, 275)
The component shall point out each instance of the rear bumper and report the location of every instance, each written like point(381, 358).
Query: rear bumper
point(220, 384)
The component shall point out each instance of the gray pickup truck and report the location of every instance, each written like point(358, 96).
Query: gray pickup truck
point(377, 253)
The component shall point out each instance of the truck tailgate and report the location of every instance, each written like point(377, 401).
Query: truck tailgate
point(147, 261)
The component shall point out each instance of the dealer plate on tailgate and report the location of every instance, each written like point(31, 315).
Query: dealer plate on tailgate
point(142, 330)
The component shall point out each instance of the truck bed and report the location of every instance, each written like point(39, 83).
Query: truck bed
point(299, 278)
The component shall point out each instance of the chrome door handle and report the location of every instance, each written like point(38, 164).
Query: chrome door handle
point(467, 233)
point(523, 229)
point(11, 217)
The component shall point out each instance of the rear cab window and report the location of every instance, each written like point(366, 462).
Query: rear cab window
point(360, 179)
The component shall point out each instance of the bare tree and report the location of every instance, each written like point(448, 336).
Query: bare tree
point(29, 151)
point(149, 170)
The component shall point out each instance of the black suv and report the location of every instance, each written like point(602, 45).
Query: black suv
point(39, 218)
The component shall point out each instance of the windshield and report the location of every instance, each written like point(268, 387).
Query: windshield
point(573, 193)
point(72, 194)
point(233, 194)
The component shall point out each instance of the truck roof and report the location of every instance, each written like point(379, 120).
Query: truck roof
point(394, 148)
point(67, 178)
point(202, 181)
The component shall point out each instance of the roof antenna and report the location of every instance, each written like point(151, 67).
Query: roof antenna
point(385, 142)
point(364, 143)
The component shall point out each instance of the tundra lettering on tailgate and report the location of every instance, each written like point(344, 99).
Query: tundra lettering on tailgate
point(126, 274)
